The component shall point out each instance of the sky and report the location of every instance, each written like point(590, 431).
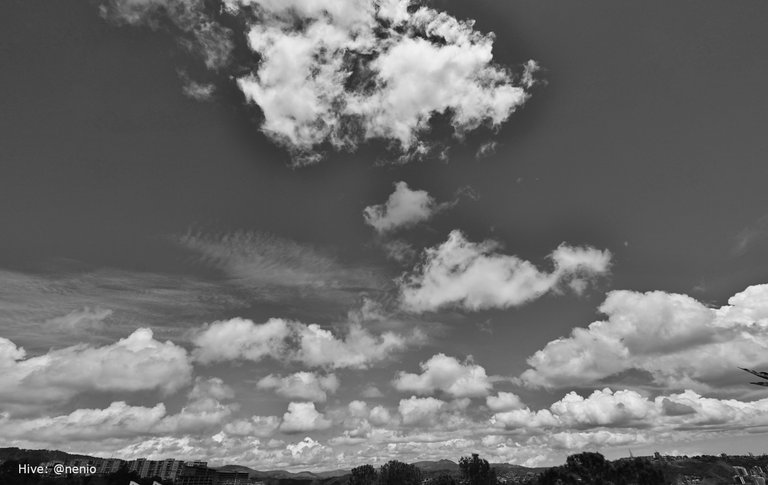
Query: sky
point(309, 235)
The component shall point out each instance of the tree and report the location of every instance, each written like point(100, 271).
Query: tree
point(477, 471)
point(444, 480)
point(399, 473)
point(363, 475)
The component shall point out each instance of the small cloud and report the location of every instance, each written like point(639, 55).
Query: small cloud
point(447, 375)
point(404, 207)
point(371, 392)
point(486, 149)
point(84, 319)
point(198, 91)
point(302, 417)
point(528, 78)
point(475, 276)
point(749, 236)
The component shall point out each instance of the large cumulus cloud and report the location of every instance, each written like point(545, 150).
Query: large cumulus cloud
point(337, 73)
point(680, 342)
point(135, 363)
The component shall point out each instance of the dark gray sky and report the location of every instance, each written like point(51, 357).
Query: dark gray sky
point(644, 136)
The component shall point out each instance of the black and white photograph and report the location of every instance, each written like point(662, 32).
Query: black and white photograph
point(383, 242)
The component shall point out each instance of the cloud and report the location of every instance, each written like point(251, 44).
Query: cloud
point(474, 276)
point(198, 91)
point(121, 421)
point(83, 319)
point(38, 308)
point(279, 269)
point(194, 21)
point(204, 409)
point(358, 349)
point(750, 236)
point(581, 440)
point(529, 73)
point(486, 149)
point(302, 417)
point(306, 386)
point(340, 73)
point(448, 375)
point(627, 412)
point(403, 208)
point(260, 426)
point(135, 363)
point(420, 411)
point(313, 346)
point(371, 392)
point(504, 401)
point(678, 341)
point(118, 420)
point(240, 338)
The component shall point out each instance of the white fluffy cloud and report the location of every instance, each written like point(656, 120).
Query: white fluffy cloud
point(306, 386)
point(680, 342)
point(474, 276)
point(420, 411)
point(239, 338)
point(504, 401)
point(342, 72)
point(119, 421)
point(259, 426)
point(311, 345)
point(606, 409)
point(404, 207)
point(303, 417)
point(358, 349)
point(135, 363)
point(448, 375)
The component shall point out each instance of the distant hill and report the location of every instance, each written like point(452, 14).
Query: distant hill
point(282, 477)
point(438, 466)
point(38, 456)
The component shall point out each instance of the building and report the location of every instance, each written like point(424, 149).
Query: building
point(232, 478)
point(756, 477)
point(197, 473)
point(136, 465)
point(167, 470)
point(109, 465)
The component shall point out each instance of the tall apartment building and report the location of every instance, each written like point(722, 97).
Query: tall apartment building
point(197, 473)
point(167, 470)
point(110, 465)
point(232, 478)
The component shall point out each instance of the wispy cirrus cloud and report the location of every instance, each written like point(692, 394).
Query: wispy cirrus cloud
point(337, 74)
point(275, 268)
point(96, 305)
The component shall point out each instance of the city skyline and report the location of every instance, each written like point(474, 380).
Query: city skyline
point(311, 235)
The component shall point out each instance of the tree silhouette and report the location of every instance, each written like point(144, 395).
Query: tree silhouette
point(444, 480)
point(592, 468)
point(363, 475)
point(399, 473)
point(477, 471)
